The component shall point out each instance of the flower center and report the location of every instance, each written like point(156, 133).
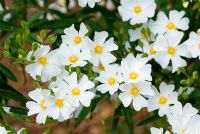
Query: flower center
point(162, 100)
point(76, 91)
point(42, 60)
point(134, 91)
point(77, 40)
point(152, 51)
point(73, 59)
point(101, 67)
point(171, 26)
point(133, 76)
point(59, 103)
point(171, 51)
point(98, 49)
point(137, 9)
point(199, 46)
point(112, 81)
point(42, 104)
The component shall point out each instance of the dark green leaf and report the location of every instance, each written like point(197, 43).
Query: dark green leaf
point(115, 121)
point(35, 17)
point(6, 26)
point(4, 70)
point(148, 120)
point(128, 119)
point(18, 110)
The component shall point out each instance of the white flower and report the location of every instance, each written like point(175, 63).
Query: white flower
point(45, 63)
point(110, 79)
point(137, 34)
point(175, 22)
point(187, 90)
point(193, 126)
point(148, 49)
point(135, 69)
point(137, 11)
point(135, 93)
point(168, 48)
point(163, 100)
point(3, 130)
point(73, 56)
point(158, 131)
point(74, 38)
point(179, 116)
point(91, 3)
point(59, 106)
point(38, 105)
point(77, 90)
point(193, 44)
point(101, 49)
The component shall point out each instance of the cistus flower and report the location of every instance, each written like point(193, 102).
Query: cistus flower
point(193, 44)
point(179, 116)
point(3, 130)
point(163, 100)
point(91, 3)
point(135, 93)
point(101, 49)
point(110, 79)
point(175, 22)
point(45, 64)
point(168, 48)
point(38, 105)
point(134, 69)
point(77, 91)
point(193, 126)
point(137, 11)
point(74, 38)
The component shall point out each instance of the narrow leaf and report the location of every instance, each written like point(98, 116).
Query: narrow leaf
point(128, 119)
point(4, 70)
point(115, 121)
point(35, 17)
point(148, 120)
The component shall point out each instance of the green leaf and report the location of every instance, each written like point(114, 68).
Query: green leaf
point(128, 119)
point(86, 110)
point(35, 17)
point(148, 120)
point(6, 26)
point(4, 70)
point(12, 95)
point(18, 110)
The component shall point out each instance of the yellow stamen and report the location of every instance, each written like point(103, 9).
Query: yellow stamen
point(77, 40)
point(112, 81)
point(101, 67)
point(162, 100)
point(137, 9)
point(134, 91)
point(59, 103)
point(171, 51)
point(171, 26)
point(73, 59)
point(152, 51)
point(42, 60)
point(42, 104)
point(98, 49)
point(76, 91)
point(133, 76)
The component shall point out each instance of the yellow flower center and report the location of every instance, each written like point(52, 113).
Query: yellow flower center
point(133, 76)
point(171, 26)
point(42, 104)
point(162, 100)
point(183, 131)
point(144, 36)
point(137, 9)
point(134, 91)
point(76, 91)
point(73, 59)
point(171, 51)
point(59, 103)
point(199, 46)
point(98, 49)
point(152, 51)
point(101, 67)
point(77, 40)
point(42, 60)
point(112, 81)
point(198, 32)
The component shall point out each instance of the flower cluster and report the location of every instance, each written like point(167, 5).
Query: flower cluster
point(70, 88)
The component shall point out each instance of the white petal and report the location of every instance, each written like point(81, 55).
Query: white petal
point(86, 98)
